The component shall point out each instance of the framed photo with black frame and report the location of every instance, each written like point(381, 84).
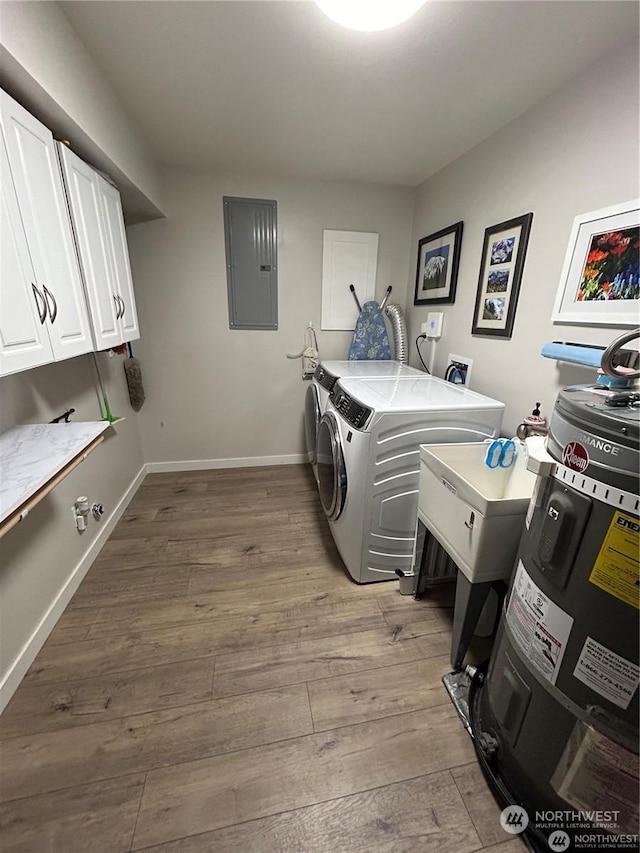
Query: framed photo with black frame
point(438, 261)
point(503, 254)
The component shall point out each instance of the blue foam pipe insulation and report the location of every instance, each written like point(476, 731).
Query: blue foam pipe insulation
point(574, 353)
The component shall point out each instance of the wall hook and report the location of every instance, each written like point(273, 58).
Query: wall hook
point(64, 416)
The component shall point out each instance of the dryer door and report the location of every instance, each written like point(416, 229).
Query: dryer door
point(311, 420)
point(332, 474)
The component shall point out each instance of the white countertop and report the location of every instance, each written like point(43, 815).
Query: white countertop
point(33, 454)
point(416, 394)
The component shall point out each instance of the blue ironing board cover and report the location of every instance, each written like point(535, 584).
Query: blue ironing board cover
point(370, 339)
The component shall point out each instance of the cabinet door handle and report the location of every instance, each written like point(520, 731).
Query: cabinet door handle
point(115, 299)
point(124, 307)
point(42, 308)
point(48, 295)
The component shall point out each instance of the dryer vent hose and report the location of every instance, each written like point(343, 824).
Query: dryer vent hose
point(395, 315)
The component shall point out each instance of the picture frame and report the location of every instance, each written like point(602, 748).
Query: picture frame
point(437, 270)
point(599, 280)
point(501, 266)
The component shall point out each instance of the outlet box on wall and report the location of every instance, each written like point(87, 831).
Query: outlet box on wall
point(464, 364)
point(433, 327)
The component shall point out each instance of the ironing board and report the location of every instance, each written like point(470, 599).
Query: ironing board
point(370, 339)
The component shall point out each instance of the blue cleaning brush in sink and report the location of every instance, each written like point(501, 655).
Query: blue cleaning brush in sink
point(492, 456)
point(508, 455)
point(501, 453)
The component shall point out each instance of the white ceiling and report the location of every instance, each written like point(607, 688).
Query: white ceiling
point(274, 86)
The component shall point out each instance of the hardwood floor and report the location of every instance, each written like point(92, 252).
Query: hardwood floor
point(218, 683)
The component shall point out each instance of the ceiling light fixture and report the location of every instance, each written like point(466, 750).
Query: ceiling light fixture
point(369, 15)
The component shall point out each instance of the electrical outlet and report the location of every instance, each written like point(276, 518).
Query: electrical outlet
point(464, 365)
point(435, 320)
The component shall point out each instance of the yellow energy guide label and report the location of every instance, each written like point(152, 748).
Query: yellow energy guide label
point(616, 567)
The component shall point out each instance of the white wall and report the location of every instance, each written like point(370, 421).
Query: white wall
point(575, 152)
point(216, 394)
point(43, 558)
point(46, 67)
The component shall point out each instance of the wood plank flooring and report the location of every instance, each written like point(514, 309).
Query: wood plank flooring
point(218, 683)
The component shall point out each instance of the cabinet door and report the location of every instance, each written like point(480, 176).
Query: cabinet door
point(24, 341)
point(119, 252)
point(38, 184)
point(348, 258)
point(91, 239)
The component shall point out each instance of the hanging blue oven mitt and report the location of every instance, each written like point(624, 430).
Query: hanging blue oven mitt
point(370, 339)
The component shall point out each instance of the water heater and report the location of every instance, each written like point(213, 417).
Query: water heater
point(556, 720)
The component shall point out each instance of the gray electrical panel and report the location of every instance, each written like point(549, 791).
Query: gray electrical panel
point(250, 231)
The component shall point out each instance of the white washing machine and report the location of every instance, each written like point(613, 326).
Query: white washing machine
point(327, 374)
point(368, 461)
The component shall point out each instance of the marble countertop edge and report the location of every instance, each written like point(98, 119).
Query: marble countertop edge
point(32, 454)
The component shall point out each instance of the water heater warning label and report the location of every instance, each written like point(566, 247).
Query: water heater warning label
point(610, 675)
point(600, 777)
point(616, 568)
point(539, 626)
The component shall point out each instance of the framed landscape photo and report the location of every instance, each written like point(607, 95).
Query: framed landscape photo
point(503, 253)
point(438, 261)
point(599, 282)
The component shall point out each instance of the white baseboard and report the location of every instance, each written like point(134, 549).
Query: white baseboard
point(18, 669)
point(237, 462)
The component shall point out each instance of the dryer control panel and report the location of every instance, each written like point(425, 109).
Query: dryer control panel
point(325, 379)
point(351, 410)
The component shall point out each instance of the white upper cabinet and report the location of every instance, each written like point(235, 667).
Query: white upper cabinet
point(91, 240)
point(24, 341)
point(42, 207)
point(98, 224)
point(117, 242)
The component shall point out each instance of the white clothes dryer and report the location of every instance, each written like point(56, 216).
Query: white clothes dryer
point(368, 462)
point(327, 374)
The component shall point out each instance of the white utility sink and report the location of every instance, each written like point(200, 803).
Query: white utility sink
point(475, 512)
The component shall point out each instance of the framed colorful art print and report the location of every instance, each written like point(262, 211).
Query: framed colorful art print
point(600, 279)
